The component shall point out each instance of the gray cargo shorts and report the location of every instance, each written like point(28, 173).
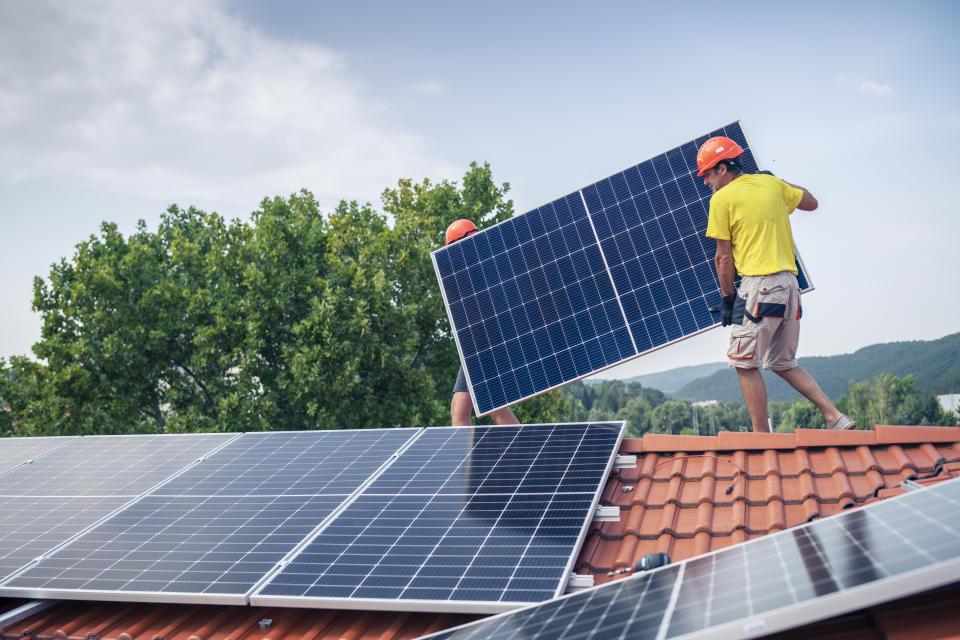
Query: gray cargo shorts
point(461, 384)
point(766, 316)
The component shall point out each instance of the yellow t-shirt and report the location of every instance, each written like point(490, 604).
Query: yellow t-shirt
point(753, 212)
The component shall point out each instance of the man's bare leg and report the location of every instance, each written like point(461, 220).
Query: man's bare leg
point(504, 416)
point(803, 382)
point(461, 411)
point(755, 397)
point(461, 408)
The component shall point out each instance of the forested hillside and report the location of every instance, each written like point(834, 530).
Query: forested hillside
point(934, 364)
point(674, 379)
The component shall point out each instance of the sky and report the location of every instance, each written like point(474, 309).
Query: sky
point(112, 111)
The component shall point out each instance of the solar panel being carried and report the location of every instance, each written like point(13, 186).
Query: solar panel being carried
point(211, 533)
point(72, 487)
point(479, 519)
point(849, 561)
point(610, 272)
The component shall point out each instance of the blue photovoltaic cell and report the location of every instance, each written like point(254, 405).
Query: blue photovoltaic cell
point(881, 552)
point(532, 304)
point(600, 276)
point(215, 530)
point(481, 518)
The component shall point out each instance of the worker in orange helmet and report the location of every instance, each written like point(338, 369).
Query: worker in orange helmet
point(461, 406)
point(749, 219)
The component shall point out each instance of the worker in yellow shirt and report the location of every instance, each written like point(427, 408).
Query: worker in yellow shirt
point(749, 219)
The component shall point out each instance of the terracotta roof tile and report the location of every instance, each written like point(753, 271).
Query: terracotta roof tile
point(687, 495)
point(676, 499)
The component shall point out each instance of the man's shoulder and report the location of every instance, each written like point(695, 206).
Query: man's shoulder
point(747, 183)
point(757, 179)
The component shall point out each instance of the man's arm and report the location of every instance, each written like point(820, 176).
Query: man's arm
point(807, 202)
point(725, 267)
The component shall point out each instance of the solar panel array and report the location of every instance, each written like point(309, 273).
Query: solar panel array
point(600, 276)
point(213, 531)
point(468, 519)
point(503, 509)
point(72, 487)
point(850, 561)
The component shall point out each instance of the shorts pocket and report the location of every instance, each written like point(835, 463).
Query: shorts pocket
point(771, 302)
point(771, 309)
point(743, 343)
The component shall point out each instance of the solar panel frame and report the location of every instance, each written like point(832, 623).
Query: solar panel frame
point(754, 625)
point(120, 526)
point(259, 598)
point(492, 322)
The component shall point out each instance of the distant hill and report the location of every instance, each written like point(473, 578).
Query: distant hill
point(935, 364)
point(669, 381)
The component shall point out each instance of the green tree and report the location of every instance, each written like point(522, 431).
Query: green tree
point(292, 320)
point(889, 399)
point(636, 413)
point(801, 414)
point(673, 416)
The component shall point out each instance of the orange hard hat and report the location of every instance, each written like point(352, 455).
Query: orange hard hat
point(460, 229)
point(716, 149)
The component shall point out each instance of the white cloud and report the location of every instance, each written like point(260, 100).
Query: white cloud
point(870, 87)
point(180, 100)
point(876, 88)
point(427, 88)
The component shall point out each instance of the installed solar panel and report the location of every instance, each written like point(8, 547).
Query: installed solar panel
point(850, 561)
point(70, 488)
point(468, 519)
point(602, 275)
point(211, 533)
point(110, 465)
point(17, 451)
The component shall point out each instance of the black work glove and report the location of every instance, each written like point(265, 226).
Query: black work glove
point(726, 310)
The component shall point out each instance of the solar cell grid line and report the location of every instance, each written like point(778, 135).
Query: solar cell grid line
point(213, 532)
point(110, 465)
point(15, 452)
point(292, 463)
point(477, 519)
point(610, 272)
point(73, 487)
point(852, 560)
point(33, 526)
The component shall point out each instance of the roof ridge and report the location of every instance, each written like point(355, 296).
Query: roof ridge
point(801, 438)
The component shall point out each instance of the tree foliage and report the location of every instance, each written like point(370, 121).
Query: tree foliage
point(893, 400)
point(294, 319)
